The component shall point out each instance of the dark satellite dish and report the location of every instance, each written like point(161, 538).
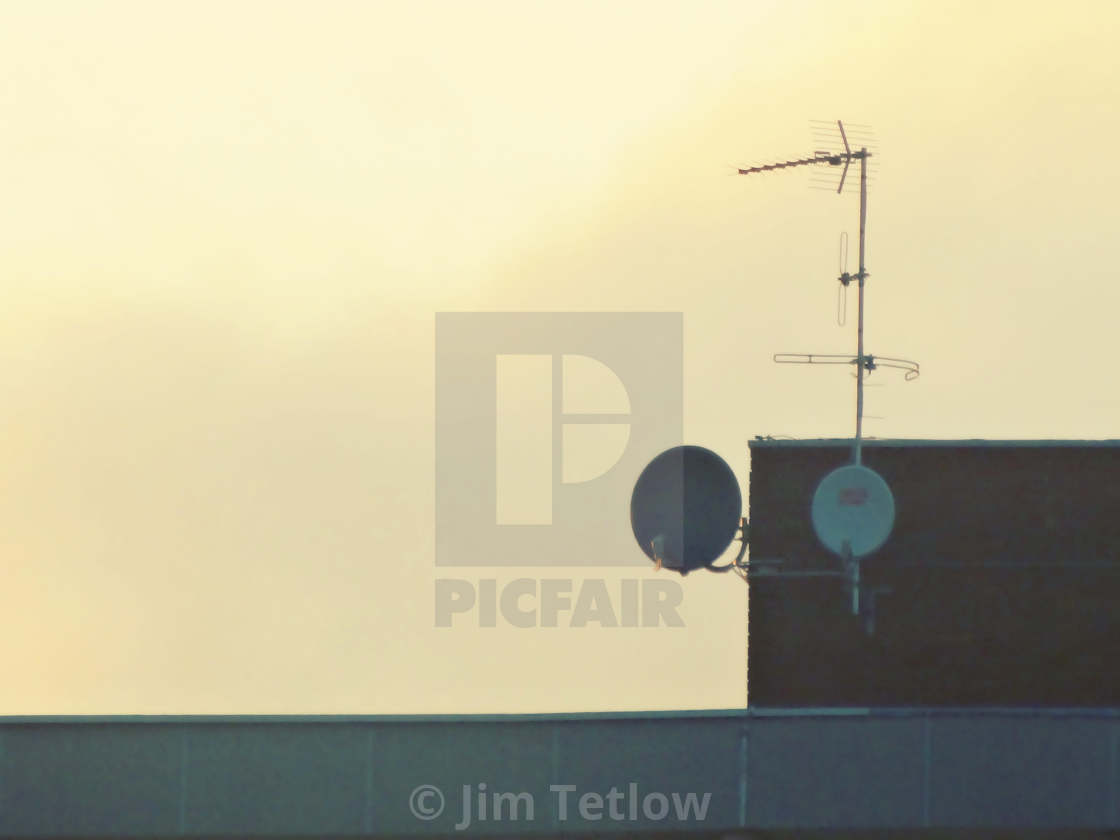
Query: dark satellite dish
point(685, 508)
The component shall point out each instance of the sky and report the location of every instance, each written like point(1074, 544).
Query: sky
point(227, 229)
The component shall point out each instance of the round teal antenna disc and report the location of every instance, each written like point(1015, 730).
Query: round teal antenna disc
point(853, 510)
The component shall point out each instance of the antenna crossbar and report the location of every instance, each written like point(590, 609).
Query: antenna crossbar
point(814, 358)
point(870, 361)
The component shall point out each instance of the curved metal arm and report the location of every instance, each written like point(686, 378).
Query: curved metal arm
point(913, 371)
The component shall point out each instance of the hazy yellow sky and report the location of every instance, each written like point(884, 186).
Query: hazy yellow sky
point(227, 227)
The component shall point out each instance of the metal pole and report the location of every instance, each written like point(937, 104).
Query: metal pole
point(851, 572)
point(859, 350)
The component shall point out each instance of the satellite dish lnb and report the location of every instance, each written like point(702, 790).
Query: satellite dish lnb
point(853, 510)
point(685, 508)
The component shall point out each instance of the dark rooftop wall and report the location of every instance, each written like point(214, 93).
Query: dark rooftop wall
point(892, 773)
point(993, 600)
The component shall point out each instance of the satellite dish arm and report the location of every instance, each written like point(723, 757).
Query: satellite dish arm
point(744, 538)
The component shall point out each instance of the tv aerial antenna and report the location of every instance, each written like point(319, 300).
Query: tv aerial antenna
point(864, 362)
point(853, 508)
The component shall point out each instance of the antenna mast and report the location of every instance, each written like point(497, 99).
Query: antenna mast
point(862, 275)
point(862, 361)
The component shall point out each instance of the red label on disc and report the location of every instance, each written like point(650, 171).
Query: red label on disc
point(852, 496)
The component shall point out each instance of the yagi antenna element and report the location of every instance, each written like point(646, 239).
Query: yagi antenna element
point(845, 158)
